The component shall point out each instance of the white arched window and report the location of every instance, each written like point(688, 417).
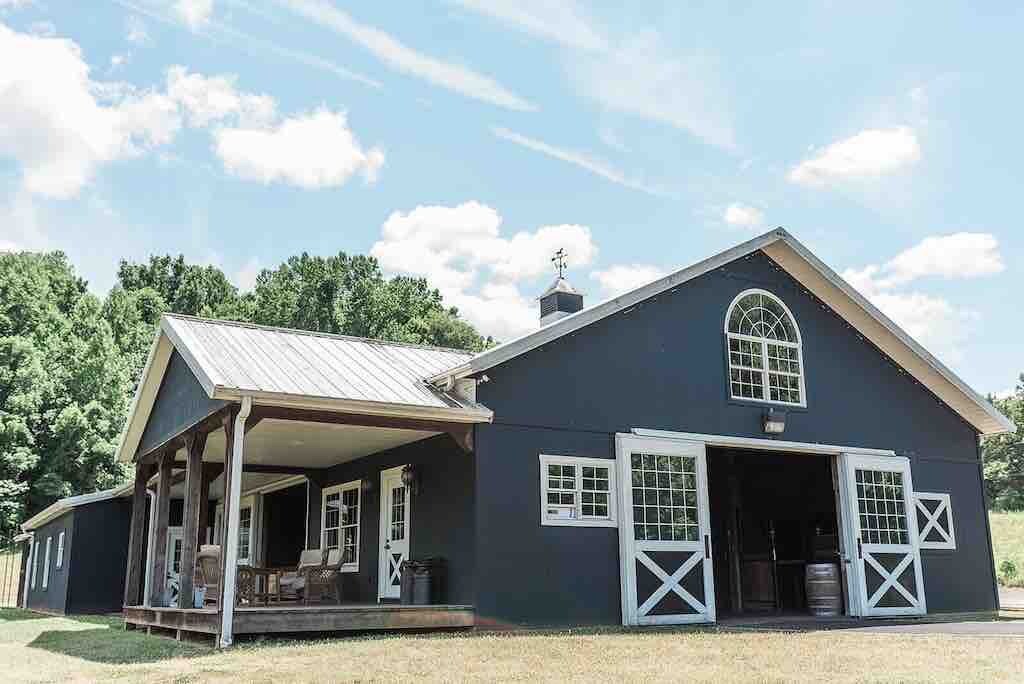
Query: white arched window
point(765, 357)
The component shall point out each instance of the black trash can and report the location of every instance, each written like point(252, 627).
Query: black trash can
point(423, 582)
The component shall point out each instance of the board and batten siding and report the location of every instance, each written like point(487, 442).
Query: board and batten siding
point(180, 403)
point(662, 364)
point(53, 598)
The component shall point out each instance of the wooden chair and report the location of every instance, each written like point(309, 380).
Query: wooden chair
point(208, 572)
point(324, 581)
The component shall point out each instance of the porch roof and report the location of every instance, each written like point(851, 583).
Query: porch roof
point(301, 370)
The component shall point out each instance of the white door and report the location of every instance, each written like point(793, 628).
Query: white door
point(664, 532)
point(175, 539)
point(881, 524)
point(394, 532)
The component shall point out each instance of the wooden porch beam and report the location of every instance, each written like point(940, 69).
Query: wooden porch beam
point(195, 444)
point(276, 469)
point(207, 425)
point(158, 571)
point(366, 420)
point(136, 537)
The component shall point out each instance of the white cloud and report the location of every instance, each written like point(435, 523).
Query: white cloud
point(15, 4)
point(869, 154)
point(119, 60)
point(314, 150)
point(42, 29)
point(595, 166)
point(55, 121)
point(207, 99)
point(620, 279)
point(933, 321)
point(20, 225)
point(404, 59)
point(135, 31)
point(559, 22)
point(1005, 393)
point(640, 76)
point(462, 252)
point(743, 216)
point(195, 13)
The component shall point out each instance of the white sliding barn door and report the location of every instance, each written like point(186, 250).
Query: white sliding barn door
point(664, 532)
point(881, 526)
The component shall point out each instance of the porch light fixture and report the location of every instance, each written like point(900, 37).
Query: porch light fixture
point(774, 421)
point(411, 479)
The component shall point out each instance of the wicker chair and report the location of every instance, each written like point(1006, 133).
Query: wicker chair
point(324, 581)
point(208, 572)
point(291, 584)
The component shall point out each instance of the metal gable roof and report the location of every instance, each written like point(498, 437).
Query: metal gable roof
point(62, 506)
point(813, 274)
point(231, 359)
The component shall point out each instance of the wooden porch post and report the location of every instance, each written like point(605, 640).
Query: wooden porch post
point(210, 473)
point(194, 445)
point(136, 537)
point(158, 571)
point(233, 456)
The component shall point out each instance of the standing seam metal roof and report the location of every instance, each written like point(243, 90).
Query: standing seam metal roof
point(246, 357)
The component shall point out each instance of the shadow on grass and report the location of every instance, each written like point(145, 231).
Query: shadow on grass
point(18, 615)
point(110, 643)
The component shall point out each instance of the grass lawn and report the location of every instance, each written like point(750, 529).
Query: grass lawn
point(1008, 544)
point(36, 648)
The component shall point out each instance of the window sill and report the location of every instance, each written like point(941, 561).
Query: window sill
point(577, 522)
point(349, 568)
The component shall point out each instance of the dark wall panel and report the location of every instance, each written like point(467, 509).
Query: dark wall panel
point(284, 519)
point(52, 599)
point(442, 514)
point(662, 364)
point(100, 556)
point(180, 402)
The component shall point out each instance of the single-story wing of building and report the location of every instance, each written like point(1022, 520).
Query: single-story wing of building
point(747, 434)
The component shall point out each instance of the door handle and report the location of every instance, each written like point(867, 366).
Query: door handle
point(707, 546)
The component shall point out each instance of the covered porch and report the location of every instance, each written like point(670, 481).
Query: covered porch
point(271, 479)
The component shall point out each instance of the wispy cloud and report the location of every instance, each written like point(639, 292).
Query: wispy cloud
point(869, 154)
point(404, 59)
point(560, 22)
point(595, 166)
point(214, 29)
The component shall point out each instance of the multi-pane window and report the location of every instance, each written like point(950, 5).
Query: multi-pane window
point(244, 529)
point(46, 563)
point(880, 504)
point(341, 506)
point(765, 362)
point(398, 513)
point(60, 550)
point(577, 491)
point(665, 504)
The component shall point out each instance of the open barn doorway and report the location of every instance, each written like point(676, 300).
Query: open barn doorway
point(775, 522)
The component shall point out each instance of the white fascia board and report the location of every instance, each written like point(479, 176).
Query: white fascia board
point(202, 371)
point(998, 423)
point(145, 395)
point(477, 414)
point(563, 326)
point(62, 506)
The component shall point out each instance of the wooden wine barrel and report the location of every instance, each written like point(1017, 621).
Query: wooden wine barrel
point(824, 594)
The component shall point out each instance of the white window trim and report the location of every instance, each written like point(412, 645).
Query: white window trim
point(46, 563)
point(60, 550)
point(338, 489)
point(798, 345)
point(930, 521)
point(35, 561)
point(580, 462)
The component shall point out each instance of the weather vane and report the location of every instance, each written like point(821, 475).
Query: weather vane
point(559, 261)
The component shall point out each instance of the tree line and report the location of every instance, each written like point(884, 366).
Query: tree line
point(69, 360)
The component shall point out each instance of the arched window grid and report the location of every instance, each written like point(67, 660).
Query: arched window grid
point(765, 350)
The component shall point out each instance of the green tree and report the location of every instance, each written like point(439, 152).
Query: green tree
point(62, 386)
point(1003, 456)
point(183, 287)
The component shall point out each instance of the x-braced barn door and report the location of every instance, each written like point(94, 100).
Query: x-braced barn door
point(882, 526)
point(664, 532)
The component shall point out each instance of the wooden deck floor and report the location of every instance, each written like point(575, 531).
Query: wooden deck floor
point(298, 618)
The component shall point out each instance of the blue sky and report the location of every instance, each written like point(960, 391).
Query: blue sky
point(466, 140)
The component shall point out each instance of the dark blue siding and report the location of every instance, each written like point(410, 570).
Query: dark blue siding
point(180, 403)
point(99, 557)
point(442, 514)
point(52, 599)
point(662, 364)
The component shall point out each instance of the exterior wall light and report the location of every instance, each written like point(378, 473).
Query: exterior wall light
point(411, 479)
point(774, 421)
